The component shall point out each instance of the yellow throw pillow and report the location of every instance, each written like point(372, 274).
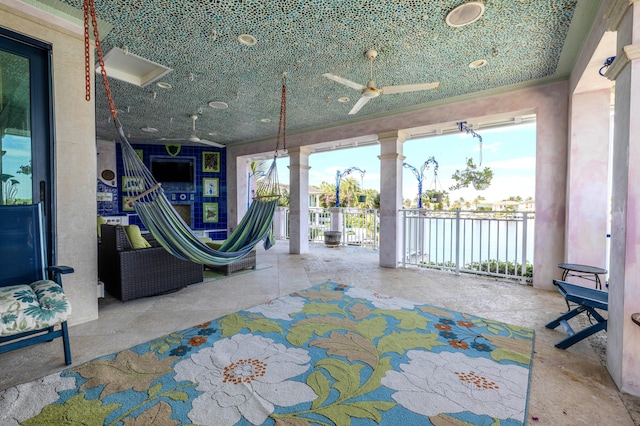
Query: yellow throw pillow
point(135, 237)
point(101, 221)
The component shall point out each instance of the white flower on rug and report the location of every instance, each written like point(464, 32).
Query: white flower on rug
point(244, 376)
point(281, 308)
point(24, 401)
point(452, 382)
point(379, 300)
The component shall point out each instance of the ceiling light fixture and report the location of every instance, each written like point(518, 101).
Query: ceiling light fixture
point(164, 85)
point(343, 99)
point(218, 105)
point(478, 64)
point(149, 129)
point(465, 14)
point(247, 39)
point(125, 66)
point(266, 120)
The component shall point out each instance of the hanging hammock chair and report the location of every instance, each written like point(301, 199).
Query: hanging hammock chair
point(158, 214)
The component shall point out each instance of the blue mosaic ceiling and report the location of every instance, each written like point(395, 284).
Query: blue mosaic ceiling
point(521, 40)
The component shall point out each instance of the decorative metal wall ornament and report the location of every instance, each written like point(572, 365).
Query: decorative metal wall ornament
point(419, 173)
point(340, 175)
point(607, 63)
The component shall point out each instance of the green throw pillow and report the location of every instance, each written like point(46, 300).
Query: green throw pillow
point(101, 221)
point(135, 237)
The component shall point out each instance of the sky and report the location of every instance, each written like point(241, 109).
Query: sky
point(509, 151)
point(18, 154)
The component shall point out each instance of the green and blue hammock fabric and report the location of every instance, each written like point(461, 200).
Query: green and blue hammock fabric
point(170, 230)
point(155, 210)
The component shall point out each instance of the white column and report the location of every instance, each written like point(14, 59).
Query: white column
point(623, 336)
point(588, 170)
point(299, 200)
point(280, 223)
point(391, 159)
point(238, 184)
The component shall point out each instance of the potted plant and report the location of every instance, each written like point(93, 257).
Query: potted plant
point(480, 179)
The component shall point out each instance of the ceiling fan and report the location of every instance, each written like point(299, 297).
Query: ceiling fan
point(193, 137)
point(370, 91)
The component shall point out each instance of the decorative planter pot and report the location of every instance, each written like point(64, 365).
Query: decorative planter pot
point(332, 238)
point(362, 198)
point(437, 197)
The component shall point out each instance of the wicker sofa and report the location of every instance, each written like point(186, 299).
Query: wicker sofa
point(249, 261)
point(130, 273)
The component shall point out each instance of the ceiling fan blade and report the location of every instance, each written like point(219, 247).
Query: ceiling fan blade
point(211, 143)
point(344, 81)
point(403, 88)
point(363, 100)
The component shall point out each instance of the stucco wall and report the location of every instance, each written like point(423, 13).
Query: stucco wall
point(75, 152)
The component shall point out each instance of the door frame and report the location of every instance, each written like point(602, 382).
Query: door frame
point(41, 125)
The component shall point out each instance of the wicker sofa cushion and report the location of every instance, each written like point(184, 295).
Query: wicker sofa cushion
point(135, 237)
point(216, 244)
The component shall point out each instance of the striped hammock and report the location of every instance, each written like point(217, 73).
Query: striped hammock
point(170, 230)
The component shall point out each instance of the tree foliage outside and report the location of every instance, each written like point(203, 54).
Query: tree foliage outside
point(350, 193)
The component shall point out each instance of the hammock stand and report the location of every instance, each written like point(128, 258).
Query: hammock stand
point(154, 208)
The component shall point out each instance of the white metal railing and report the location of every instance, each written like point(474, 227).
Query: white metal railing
point(319, 222)
point(481, 242)
point(360, 227)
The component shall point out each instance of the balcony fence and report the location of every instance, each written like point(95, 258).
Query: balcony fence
point(490, 243)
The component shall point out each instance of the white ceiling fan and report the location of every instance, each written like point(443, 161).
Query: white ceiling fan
point(370, 91)
point(193, 137)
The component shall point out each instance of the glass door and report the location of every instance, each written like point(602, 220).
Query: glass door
point(25, 131)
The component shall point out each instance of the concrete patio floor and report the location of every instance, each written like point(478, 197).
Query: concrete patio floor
point(568, 387)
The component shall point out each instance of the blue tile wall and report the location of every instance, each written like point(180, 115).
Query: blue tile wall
point(195, 198)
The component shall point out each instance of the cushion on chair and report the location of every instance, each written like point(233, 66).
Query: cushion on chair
point(135, 237)
point(39, 305)
point(101, 221)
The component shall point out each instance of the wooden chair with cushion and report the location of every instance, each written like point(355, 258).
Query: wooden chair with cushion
point(33, 306)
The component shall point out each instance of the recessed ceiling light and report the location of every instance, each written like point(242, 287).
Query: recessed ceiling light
point(149, 129)
point(465, 14)
point(343, 99)
point(247, 39)
point(213, 133)
point(218, 105)
point(265, 120)
point(163, 85)
point(478, 64)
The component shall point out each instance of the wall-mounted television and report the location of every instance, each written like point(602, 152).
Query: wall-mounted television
point(176, 174)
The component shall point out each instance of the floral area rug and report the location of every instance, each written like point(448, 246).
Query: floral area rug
point(328, 355)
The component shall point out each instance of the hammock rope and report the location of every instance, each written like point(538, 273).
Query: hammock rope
point(148, 199)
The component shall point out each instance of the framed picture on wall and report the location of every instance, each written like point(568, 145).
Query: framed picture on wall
point(210, 187)
point(132, 184)
point(210, 161)
point(209, 212)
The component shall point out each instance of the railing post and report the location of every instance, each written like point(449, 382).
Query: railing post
point(524, 247)
point(458, 242)
point(375, 229)
point(404, 238)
